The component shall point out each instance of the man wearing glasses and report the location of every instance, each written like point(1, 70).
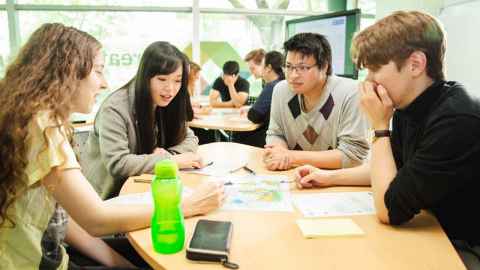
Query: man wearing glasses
point(314, 116)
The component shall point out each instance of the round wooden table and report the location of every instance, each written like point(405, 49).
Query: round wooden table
point(272, 240)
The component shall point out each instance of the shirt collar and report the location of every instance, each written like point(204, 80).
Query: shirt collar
point(419, 108)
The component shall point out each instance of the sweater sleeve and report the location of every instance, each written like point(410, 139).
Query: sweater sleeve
point(444, 162)
point(189, 144)
point(121, 161)
point(352, 134)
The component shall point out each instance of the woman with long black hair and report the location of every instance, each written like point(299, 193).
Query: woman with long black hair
point(143, 122)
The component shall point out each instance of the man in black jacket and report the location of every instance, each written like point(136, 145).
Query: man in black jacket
point(431, 157)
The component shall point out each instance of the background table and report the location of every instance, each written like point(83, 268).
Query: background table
point(272, 240)
point(223, 120)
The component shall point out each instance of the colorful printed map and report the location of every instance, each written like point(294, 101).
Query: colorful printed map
point(258, 193)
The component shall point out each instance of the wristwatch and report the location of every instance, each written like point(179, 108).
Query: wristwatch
point(380, 133)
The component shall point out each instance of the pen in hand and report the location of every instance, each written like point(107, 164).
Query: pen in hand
point(195, 169)
point(208, 164)
point(249, 170)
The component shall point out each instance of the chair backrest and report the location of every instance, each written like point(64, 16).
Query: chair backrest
point(79, 141)
point(251, 100)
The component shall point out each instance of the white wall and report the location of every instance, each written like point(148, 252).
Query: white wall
point(461, 20)
point(386, 7)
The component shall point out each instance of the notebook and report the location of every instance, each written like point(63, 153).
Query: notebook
point(312, 228)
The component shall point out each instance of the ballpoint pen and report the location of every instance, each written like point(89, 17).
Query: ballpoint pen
point(249, 170)
point(140, 180)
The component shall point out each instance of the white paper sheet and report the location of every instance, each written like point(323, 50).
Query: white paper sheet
point(312, 228)
point(218, 168)
point(335, 204)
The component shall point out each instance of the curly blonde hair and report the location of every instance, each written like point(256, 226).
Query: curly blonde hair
point(44, 76)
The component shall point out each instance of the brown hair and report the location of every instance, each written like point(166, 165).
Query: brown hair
point(44, 76)
point(396, 37)
point(256, 55)
point(194, 69)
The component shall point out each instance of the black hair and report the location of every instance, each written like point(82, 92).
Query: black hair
point(311, 44)
point(161, 58)
point(275, 60)
point(231, 68)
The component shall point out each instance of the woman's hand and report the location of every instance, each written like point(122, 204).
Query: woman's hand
point(206, 198)
point(188, 160)
point(244, 111)
point(159, 151)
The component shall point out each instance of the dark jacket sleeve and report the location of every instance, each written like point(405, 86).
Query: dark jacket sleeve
point(255, 116)
point(396, 142)
point(445, 160)
point(260, 111)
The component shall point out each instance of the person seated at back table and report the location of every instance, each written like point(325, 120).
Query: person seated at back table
point(230, 87)
point(259, 113)
point(255, 61)
point(204, 136)
point(193, 77)
point(314, 116)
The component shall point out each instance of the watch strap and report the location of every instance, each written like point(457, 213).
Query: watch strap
point(382, 133)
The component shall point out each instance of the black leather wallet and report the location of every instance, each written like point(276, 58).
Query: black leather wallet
point(211, 242)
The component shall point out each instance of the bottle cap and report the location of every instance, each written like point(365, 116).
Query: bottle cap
point(166, 169)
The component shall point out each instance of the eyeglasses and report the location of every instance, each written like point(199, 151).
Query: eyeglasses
point(300, 69)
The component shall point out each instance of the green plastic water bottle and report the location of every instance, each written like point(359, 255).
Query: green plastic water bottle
point(168, 228)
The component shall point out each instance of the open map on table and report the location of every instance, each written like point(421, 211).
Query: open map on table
point(257, 193)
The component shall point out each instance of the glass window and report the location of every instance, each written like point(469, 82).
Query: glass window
point(368, 6)
point(293, 5)
point(4, 42)
point(124, 35)
point(226, 37)
point(167, 3)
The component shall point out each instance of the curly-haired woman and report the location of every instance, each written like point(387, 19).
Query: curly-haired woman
point(57, 72)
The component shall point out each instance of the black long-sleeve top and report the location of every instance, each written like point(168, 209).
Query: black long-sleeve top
point(436, 146)
point(260, 111)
